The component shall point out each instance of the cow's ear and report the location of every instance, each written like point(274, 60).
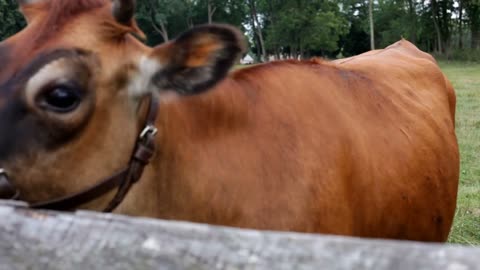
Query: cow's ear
point(197, 60)
point(29, 8)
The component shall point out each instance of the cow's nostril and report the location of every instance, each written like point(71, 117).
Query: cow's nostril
point(7, 189)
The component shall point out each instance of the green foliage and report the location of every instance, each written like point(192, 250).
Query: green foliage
point(175, 16)
point(162, 19)
point(312, 26)
point(11, 20)
point(356, 40)
point(392, 23)
point(226, 11)
point(465, 55)
point(305, 28)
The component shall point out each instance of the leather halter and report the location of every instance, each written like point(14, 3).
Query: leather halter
point(124, 179)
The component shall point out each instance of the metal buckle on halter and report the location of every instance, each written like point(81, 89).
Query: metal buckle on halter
point(149, 129)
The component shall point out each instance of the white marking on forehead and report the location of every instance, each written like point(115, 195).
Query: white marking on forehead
point(141, 84)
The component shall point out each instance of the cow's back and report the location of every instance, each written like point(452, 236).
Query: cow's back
point(364, 147)
point(410, 141)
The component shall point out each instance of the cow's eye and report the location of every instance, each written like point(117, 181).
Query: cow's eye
point(60, 98)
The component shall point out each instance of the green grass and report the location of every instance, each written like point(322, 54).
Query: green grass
point(465, 78)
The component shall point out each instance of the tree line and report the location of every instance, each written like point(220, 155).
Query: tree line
point(305, 28)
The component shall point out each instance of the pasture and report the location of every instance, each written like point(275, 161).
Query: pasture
point(466, 80)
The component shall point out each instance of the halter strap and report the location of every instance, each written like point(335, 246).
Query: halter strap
point(124, 179)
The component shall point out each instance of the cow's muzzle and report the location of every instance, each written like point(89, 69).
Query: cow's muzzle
point(7, 189)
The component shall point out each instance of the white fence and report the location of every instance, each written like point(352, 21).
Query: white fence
point(86, 240)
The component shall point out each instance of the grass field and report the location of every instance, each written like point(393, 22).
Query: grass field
point(466, 80)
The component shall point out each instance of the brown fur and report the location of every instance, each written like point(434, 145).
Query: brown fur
point(363, 147)
point(346, 153)
point(50, 15)
point(200, 57)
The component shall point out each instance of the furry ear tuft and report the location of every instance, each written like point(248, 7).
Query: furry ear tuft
point(198, 59)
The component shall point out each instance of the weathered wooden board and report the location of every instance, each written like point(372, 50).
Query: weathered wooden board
point(86, 240)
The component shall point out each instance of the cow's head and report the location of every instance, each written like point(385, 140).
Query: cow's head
point(71, 84)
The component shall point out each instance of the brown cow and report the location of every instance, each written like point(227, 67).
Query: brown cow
point(364, 146)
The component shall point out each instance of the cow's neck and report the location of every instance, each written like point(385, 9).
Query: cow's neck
point(186, 129)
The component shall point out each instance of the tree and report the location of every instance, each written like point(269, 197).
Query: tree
point(305, 28)
point(372, 32)
point(392, 22)
point(356, 40)
point(472, 8)
point(166, 18)
point(149, 12)
point(257, 30)
point(211, 10)
point(412, 18)
point(12, 20)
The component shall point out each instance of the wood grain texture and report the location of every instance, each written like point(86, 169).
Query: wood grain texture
point(86, 240)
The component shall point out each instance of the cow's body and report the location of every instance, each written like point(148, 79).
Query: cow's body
point(363, 146)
